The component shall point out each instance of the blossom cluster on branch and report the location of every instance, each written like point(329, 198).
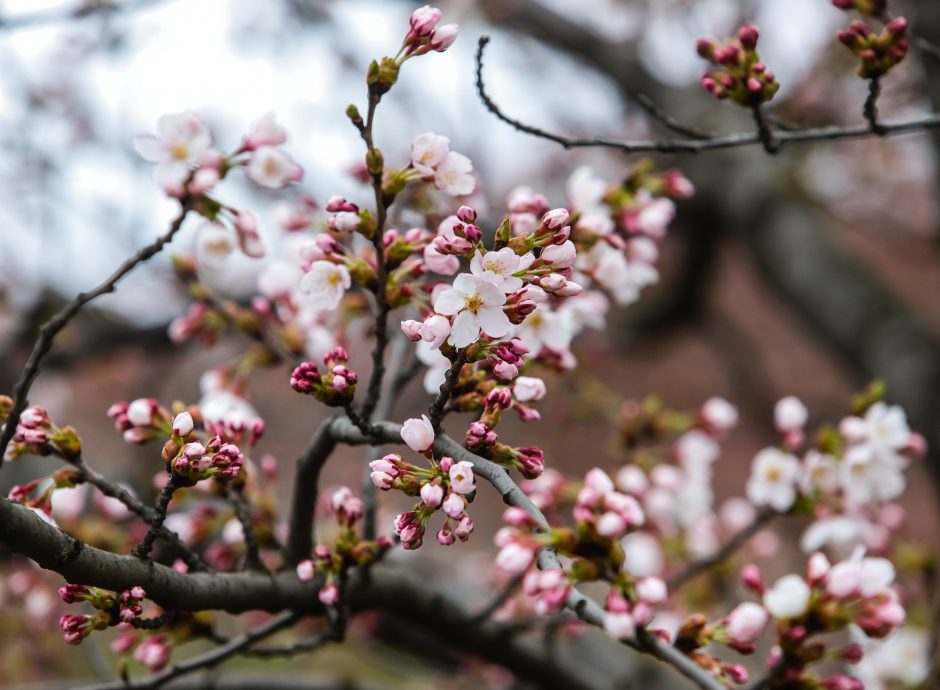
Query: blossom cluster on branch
point(487, 305)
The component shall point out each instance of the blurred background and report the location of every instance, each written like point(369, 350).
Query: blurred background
point(810, 273)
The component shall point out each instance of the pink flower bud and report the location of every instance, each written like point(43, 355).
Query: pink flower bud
point(746, 623)
point(411, 329)
point(329, 594)
point(443, 37)
point(514, 558)
point(432, 495)
point(556, 218)
point(752, 579)
point(453, 505)
point(424, 20)
point(306, 570)
point(652, 590)
point(418, 434)
point(183, 424)
point(748, 35)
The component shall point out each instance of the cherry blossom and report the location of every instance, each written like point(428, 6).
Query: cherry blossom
point(325, 284)
point(774, 475)
point(477, 305)
point(788, 597)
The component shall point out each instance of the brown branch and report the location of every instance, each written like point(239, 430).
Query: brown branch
point(242, 508)
point(208, 660)
point(143, 549)
point(586, 609)
point(437, 408)
point(142, 510)
point(729, 548)
point(49, 330)
point(304, 502)
point(728, 141)
point(381, 272)
point(870, 109)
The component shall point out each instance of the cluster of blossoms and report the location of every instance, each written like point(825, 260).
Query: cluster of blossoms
point(486, 306)
point(847, 477)
point(188, 456)
point(658, 510)
point(111, 610)
point(348, 550)
point(188, 167)
point(335, 388)
point(445, 486)
point(857, 592)
point(739, 74)
point(36, 434)
point(877, 52)
point(603, 517)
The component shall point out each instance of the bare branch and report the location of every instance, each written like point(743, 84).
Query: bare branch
point(51, 328)
point(160, 510)
point(696, 568)
point(203, 661)
point(242, 508)
point(304, 502)
point(728, 141)
point(139, 508)
point(451, 377)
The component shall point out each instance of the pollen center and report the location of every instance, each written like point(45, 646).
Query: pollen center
point(473, 303)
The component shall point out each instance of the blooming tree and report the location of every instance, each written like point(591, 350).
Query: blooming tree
point(483, 310)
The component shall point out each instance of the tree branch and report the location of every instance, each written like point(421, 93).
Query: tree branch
point(728, 141)
point(203, 661)
point(696, 568)
point(306, 486)
point(142, 510)
point(586, 609)
point(51, 328)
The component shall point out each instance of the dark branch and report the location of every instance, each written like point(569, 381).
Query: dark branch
point(139, 508)
point(451, 378)
point(728, 141)
point(208, 660)
point(304, 502)
point(159, 517)
point(242, 508)
point(49, 330)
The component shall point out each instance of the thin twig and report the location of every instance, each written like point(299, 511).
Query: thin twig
point(397, 352)
point(451, 379)
point(698, 567)
point(728, 141)
point(142, 510)
point(242, 509)
point(143, 549)
point(666, 119)
point(870, 109)
point(497, 602)
point(764, 130)
point(374, 389)
point(208, 660)
point(304, 501)
point(49, 330)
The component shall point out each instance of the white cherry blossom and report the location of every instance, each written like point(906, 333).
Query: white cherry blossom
point(478, 307)
point(325, 284)
point(774, 475)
